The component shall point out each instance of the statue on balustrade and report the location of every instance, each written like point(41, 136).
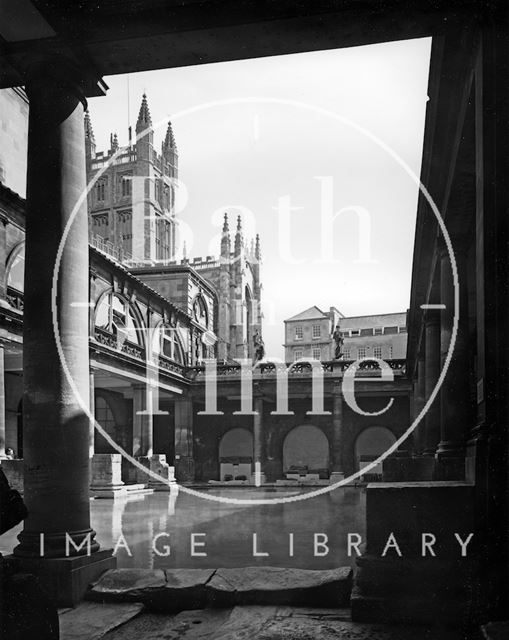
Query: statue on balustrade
point(337, 336)
point(259, 346)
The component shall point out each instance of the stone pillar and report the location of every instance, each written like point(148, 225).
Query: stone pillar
point(184, 454)
point(143, 421)
point(56, 428)
point(258, 476)
point(3, 260)
point(337, 471)
point(2, 402)
point(419, 402)
point(91, 440)
point(455, 391)
point(431, 374)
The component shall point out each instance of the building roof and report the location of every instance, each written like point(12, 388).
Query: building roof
point(374, 320)
point(309, 314)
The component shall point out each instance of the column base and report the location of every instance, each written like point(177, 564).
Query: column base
point(450, 468)
point(415, 469)
point(336, 476)
point(66, 580)
point(417, 588)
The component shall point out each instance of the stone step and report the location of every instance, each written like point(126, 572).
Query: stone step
point(173, 590)
point(91, 621)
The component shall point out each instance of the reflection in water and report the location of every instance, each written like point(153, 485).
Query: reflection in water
point(167, 521)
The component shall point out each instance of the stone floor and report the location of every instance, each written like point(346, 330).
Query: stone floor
point(94, 621)
point(248, 603)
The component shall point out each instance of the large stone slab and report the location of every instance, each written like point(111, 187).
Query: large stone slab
point(127, 585)
point(92, 620)
point(175, 590)
point(280, 586)
point(160, 590)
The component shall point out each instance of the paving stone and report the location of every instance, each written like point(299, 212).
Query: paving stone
point(92, 620)
point(245, 623)
point(268, 623)
point(280, 586)
point(187, 625)
point(127, 585)
point(184, 590)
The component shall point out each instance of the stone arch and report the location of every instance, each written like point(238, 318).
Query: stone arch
point(113, 311)
point(236, 454)
point(306, 450)
point(370, 444)
point(15, 267)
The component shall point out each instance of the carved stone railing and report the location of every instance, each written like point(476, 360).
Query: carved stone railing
point(170, 365)
point(15, 298)
point(123, 346)
point(366, 368)
point(136, 351)
point(105, 246)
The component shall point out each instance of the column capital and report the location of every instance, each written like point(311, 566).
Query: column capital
point(51, 69)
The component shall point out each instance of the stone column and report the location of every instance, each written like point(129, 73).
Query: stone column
point(455, 391)
point(3, 260)
point(431, 374)
point(184, 454)
point(91, 441)
point(337, 471)
point(56, 427)
point(143, 421)
point(258, 476)
point(2, 402)
point(419, 401)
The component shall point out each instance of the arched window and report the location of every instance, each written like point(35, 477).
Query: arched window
point(16, 267)
point(167, 343)
point(200, 312)
point(114, 314)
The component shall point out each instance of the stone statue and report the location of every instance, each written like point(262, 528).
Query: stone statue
point(259, 346)
point(338, 342)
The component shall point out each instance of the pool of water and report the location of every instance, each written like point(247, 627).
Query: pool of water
point(157, 530)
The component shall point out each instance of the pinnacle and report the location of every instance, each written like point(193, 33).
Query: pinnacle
point(144, 119)
point(169, 141)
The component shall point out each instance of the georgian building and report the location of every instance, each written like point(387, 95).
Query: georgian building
point(308, 334)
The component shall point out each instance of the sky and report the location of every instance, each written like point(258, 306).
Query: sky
point(304, 147)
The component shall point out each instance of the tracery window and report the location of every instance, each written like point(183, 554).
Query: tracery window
point(167, 342)
point(114, 314)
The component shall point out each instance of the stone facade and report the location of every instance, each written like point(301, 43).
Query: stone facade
point(309, 334)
